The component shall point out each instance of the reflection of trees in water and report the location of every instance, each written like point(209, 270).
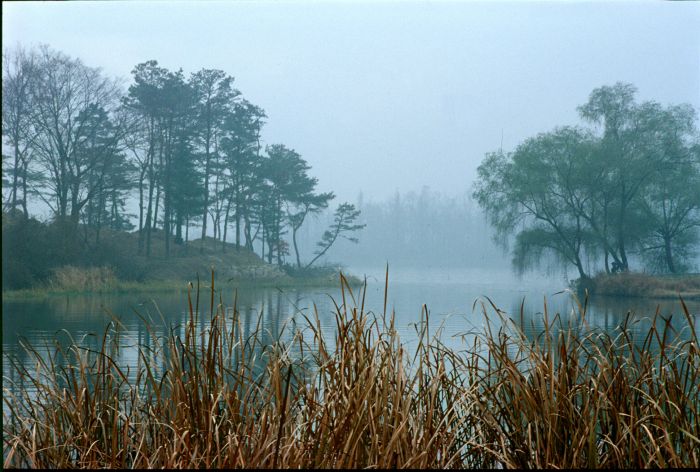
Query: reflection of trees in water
point(605, 314)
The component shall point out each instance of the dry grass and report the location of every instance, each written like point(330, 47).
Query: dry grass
point(215, 398)
point(82, 278)
point(648, 286)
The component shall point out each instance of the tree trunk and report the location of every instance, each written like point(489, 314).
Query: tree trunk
point(278, 244)
point(206, 199)
point(178, 227)
point(262, 241)
point(226, 216)
point(620, 230)
point(142, 177)
point(98, 223)
point(581, 271)
point(296, 249)
point(623, 256)
point(246, 233)
point(155, 208)
point(238, 225)
point(335, 236)
point(669, 255)
point(149, 211)
point(166, 221)
point(115, 211)
point(15, 176)
point(25, 164)
point(187, 233)
point(167, 190)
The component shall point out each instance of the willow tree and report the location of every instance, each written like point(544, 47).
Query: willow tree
point(629, 186)
point(536, 194)
point(670, 202)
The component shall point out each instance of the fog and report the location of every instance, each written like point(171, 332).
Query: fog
point(392, 104)
point(391, 96)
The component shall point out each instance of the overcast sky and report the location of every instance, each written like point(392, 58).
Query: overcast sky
point(397, 95)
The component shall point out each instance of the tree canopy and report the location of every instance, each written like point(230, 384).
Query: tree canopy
point(187, 149)
point(628, 186)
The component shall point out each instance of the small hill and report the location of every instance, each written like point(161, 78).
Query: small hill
point(54, 256)
point(38, 255)
point(186, 260)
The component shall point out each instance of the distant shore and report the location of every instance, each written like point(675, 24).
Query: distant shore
point(119, 286)
point(640, 285)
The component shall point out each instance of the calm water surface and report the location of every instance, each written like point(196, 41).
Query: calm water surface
point(453, 299)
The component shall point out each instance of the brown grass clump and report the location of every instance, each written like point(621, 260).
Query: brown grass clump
point(216, 398)
point(82, 278)
point(632, 284)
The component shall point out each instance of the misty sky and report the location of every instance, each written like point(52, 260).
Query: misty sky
point(391, 96)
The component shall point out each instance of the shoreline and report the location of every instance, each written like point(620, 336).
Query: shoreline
point(640, 285)
point(223, 378)
point(121, 287)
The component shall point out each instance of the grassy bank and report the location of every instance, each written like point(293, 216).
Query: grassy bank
point(83, 283)
point(40, 259)
point(646, 286)
point(361, 399)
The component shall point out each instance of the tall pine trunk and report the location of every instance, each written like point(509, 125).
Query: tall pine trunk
point(206, 189)
point(142, 177)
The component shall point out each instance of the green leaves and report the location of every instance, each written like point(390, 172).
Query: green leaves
point(577, 195)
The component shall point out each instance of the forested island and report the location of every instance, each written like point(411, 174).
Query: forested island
point(186, 149)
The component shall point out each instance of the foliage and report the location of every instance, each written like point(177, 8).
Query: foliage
point(635, 189)
point(32, 251)
point(191, 148)
point(343, 224)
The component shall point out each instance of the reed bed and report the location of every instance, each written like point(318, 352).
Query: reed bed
point(572, 397)
point(82, 278)
point(629, 284)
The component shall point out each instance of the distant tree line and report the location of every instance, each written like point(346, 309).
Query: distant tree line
point(629, 187)
point(418, 229)
point(188, 149)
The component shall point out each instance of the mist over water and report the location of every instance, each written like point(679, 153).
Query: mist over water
point(455, 300)
point(423, 229)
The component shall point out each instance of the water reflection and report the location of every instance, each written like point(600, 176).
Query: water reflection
point(608, 315)
point(450, 302)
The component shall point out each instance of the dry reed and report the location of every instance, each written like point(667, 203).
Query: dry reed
point(216, 398)
point(82, 278)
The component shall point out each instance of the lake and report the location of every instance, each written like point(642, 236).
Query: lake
point(450, 296)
